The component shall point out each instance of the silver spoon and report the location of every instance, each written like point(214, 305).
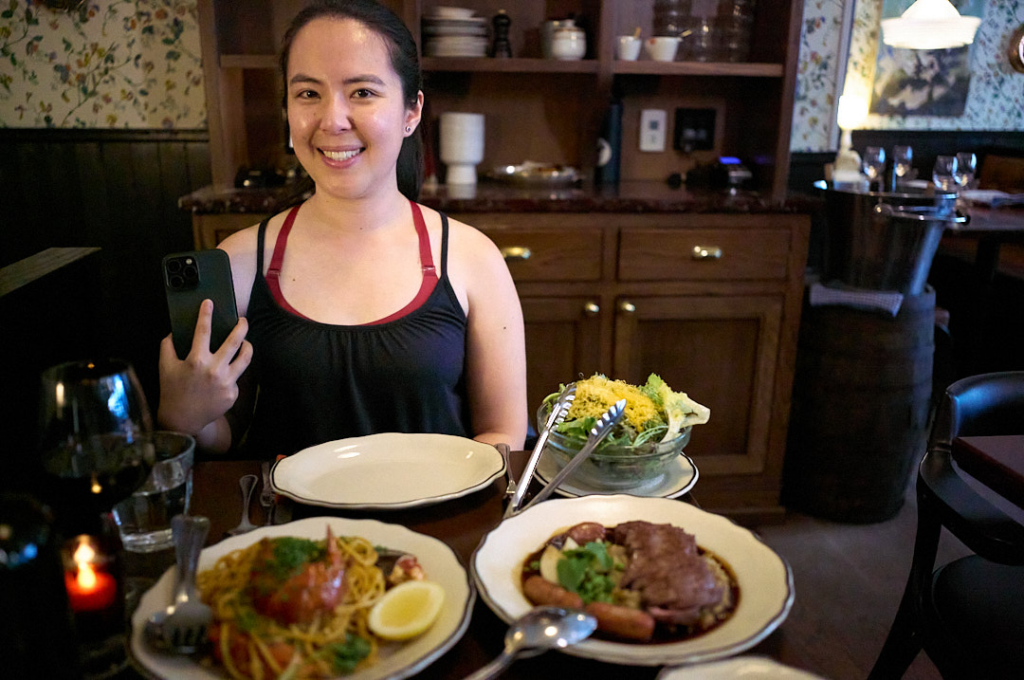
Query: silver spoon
point(247, 483)
point(540, 629)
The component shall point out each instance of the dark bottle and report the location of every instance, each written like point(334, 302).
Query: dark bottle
point(36, 627)
point(501, 49)
point(609, 146)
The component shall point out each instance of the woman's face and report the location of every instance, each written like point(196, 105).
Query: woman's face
point(345, 107)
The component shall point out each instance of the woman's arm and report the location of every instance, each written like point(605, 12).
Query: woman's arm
point(196, 393)
point(495, 345)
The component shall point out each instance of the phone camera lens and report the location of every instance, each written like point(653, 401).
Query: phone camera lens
point(173, 266)
point(177, 282)
point(190, 272)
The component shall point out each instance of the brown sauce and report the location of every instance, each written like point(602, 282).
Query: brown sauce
point(663, 633)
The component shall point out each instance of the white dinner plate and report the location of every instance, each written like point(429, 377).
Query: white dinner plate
point(679, 479)
point(397, 660)
point(764, 578)
point(389, 471)
point(738, 668)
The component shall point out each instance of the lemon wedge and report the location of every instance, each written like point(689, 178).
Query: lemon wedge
point(406, 610)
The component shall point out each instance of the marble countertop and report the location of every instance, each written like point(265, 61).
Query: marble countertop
point(627, 197)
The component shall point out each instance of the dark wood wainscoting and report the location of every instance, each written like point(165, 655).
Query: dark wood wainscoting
point(116, 190)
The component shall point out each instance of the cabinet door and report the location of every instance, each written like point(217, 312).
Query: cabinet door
point(562, 341)
point(722, 352)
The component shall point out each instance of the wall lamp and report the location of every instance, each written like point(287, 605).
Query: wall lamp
point(930, 25)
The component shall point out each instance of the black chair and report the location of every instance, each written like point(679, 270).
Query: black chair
point(967, 615)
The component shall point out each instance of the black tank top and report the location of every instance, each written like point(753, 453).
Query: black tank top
point(320, 382)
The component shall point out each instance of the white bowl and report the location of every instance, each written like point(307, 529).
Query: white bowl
point(662, 47)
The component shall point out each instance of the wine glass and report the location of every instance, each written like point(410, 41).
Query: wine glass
point(944, 173)
point(966, 163)
point(902, 160)
point(873, 164)
point(95, 438)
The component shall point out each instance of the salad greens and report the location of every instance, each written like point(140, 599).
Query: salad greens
point(654, 413)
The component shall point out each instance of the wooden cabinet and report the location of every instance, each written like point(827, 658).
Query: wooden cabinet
point(640, 294)
point(535, 109)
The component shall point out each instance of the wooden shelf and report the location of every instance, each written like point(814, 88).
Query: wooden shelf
point(488, 65)
point(696, 68)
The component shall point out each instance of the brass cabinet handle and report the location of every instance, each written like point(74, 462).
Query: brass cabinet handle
point(707, 253)
point(591, 308)
point(627, 307)
point(515, 253)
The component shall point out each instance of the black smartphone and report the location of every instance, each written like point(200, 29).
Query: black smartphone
point(190, 278)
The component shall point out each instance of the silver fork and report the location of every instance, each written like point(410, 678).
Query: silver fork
point(182, 627)
point(247, 484)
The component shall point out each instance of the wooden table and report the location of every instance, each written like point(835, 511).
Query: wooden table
point(990, 229)
point(460, 523)
point(996, 461)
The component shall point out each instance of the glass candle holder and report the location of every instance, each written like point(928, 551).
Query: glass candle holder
point(94, 582)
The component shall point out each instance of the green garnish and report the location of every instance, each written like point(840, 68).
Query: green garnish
point(586, 572)
point(349, 653)
point(291, 554)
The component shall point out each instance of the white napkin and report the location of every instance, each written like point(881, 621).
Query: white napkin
point(859, 298)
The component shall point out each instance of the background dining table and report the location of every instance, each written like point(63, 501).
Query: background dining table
point(460, 523)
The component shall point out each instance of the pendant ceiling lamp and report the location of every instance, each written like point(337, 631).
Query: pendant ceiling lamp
point(930, 25)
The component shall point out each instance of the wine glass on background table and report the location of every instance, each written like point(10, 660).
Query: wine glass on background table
point(902, 165)
point(966, 165)
point(944, 173)
point(873, 166)
point(95, 439)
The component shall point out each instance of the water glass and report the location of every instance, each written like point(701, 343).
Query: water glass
point(944, 173)
point(873, 163)
point(966, 164)
point(144, 519)
point(902, 164)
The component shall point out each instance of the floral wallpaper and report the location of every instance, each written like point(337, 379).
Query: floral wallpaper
point(995, 100)
point(136, 64)
point(103, 64)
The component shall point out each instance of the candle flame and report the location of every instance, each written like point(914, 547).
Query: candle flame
point(96, 486)
point(84, 555)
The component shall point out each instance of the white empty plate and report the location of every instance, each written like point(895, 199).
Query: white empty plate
point(387, 471)
point(738, 668)
point(680, 478)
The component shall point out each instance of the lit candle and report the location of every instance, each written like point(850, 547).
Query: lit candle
point(89, 589)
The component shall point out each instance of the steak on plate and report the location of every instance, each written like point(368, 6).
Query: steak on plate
point(674, 580)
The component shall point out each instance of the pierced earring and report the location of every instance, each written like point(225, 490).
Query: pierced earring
point(408, 128)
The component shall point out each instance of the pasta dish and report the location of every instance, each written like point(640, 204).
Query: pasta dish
point(296, 608)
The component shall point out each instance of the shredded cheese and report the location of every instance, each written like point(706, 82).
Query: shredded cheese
point(597, 394)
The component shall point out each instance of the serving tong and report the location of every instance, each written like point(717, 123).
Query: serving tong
point(557, 415)
point(602, 427)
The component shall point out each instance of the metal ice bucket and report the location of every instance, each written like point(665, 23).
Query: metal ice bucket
point(884, 240)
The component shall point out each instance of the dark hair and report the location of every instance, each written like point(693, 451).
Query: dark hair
point(404, 60)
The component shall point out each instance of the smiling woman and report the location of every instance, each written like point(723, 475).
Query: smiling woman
point(364, 312)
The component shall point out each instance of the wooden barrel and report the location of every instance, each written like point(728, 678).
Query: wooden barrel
point(861, 407)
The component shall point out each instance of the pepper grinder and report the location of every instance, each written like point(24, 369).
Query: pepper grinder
point(501, 49)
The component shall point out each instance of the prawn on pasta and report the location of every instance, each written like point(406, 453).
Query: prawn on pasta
point(297, 608)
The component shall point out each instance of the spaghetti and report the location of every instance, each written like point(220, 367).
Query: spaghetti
point(294, 608)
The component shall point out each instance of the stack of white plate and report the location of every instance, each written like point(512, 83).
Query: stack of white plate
point(454, 32)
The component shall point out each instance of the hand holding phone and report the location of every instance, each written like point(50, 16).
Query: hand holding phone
point(190, 278)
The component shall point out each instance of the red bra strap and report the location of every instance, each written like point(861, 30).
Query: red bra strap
point(274, 271)
point(427, 284)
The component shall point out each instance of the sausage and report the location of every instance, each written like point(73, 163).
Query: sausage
point(632, 624)
point(585, 532)
point(539, 590)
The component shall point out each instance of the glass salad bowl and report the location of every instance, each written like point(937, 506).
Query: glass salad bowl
point(615, 467)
